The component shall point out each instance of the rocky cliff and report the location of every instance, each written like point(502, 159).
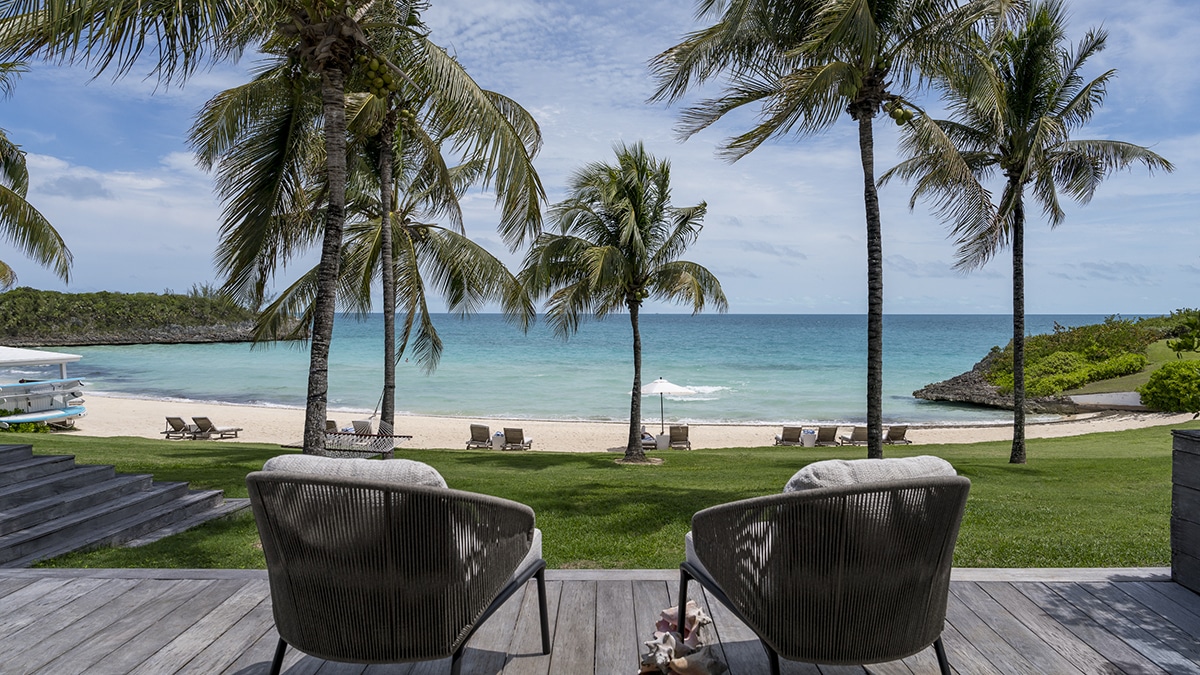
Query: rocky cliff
point(972, 387)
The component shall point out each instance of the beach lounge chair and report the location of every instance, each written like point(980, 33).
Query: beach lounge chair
point(896, 435)
point(177, 428)
point(808, 570)
point(679, 438)
point(481, 437)
point(649, 442)
point(790, 436)
point(857, 437)
point(827, 435)
point(379, 562)
point(331, 425)
point(515, 439)
point(206, 429)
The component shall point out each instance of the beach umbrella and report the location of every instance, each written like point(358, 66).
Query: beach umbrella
point(662, 387)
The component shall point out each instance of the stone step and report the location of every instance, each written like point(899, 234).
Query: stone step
point(10, 452)
point(82, 528)
point(37, 511)
point(128, 528)
point(34, 467)
point(226, 509)
point(53, 484)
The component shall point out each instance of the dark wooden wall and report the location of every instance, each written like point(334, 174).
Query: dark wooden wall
point(1185, 509)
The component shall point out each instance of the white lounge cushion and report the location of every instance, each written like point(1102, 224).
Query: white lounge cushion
point(689, 553)
point(535, 552)
point(401, 471)
point(838, 472)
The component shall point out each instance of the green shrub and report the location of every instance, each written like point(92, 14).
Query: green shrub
point(22, 427)
point(1058, 363)
point(1125, 364)
point(1175, 387)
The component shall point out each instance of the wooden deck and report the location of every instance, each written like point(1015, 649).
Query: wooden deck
point(219, 621)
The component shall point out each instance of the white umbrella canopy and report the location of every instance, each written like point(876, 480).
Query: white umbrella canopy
point(662, 387)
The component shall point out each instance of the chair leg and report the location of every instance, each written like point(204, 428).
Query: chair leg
point(684, 578)
point(772, 659)
point(940, 650)
point(541, 584)
point(277, 662)
point(456, 662)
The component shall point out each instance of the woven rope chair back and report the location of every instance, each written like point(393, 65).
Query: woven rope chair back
point(373, 572)
point(848, 575)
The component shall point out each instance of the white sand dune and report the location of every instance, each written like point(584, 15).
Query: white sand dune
point(112, 416)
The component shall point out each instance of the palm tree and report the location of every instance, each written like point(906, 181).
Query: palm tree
point(1013, 112)
point(259, 137)
point(21, 223)
point(619, 243)
point(804, 62)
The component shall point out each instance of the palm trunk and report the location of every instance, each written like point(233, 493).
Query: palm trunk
point(387, 412)
point(1018, 251)
point(866, 144)
point(633, 450)
point(333, 99)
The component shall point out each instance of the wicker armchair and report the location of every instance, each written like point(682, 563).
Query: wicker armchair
point(844, 575)
point(369, 571)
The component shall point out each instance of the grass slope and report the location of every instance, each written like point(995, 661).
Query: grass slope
point(1157, 354)
point(1100, 500)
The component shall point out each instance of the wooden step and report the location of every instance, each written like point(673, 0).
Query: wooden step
point(35, 512)
point(56, 483)
point(12, 452)
point(126, 529)
point(34, 467)
point(226, 509)
point(84, 528)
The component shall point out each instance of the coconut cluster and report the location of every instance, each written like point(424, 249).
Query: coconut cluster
point(375, 75)
point(899, 113)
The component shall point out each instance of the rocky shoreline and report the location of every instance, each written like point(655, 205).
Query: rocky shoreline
point(972, 387)
point(234, 332)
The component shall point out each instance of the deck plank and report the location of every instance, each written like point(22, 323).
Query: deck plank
point(617, 638)
point(219, 621)
point(116, 648)
point(1066, 643)
point(133, 596)
point(1085, 627)
point(184, 647)
point(525, 650)
point(572, 652)
point(1027, 642)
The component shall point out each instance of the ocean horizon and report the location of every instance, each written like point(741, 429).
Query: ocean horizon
point(744, 368)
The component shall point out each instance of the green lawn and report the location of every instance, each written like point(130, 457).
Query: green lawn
point(1101, 500)
point(1157, 354)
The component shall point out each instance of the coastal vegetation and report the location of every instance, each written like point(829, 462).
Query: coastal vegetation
point(804, 64)
point(20, 222)
point(33, 317)
point(1098, 500)
point(618, 243)
point(1013, 114)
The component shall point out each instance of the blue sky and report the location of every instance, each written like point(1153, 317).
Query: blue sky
point(110, 167)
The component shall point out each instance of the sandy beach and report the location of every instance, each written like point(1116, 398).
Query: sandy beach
point(112, 416)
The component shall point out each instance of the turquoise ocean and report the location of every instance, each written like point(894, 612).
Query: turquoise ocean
point(743, 368)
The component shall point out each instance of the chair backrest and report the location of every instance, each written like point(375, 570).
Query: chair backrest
point(176, 424)
point(331, 425)
point(480, 433)
point(203, 423)
point(859, 434)
point(375, 572)
point(679, 434)
point(897, 433)
point(826, 434)
point(514, 436)
point(363, 427)
point(809, 571)
point(791, 434)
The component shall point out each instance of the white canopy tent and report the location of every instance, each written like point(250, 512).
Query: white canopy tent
point(15, 356)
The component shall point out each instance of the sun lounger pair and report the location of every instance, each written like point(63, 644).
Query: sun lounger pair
point(895, 435)
point(514, 438)
point(202, 428)
point(826, 435)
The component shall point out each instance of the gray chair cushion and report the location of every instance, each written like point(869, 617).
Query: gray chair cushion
point(838, 472)
point(401, 471)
